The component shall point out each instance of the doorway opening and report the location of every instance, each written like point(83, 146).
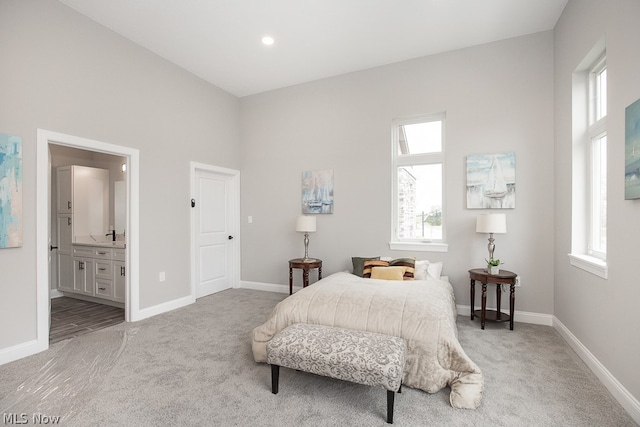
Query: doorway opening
point(88, 267)
point(50, 147)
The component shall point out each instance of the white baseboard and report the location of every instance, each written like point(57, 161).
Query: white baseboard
point(519, 316)
point(268, 287)
point(145, 313)
point(54, 293)
point(619, 392)
point(21, 350)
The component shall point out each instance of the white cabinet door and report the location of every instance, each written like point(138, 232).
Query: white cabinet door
point(83, 276)
point(65, 261)
point(65, 272)
point(119, 280)
point(64, 187)
point(65, 233)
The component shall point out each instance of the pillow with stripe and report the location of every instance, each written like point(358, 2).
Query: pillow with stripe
point(358, 264)
point(388, 273)
point(408, 263)
point(370, 263)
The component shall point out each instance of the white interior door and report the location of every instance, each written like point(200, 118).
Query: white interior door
point(214, 225)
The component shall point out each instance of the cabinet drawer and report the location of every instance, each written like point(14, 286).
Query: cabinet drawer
point(83, 251)
point(92, 252)
point(104, 288)
point(102, 253)
point(103, 269)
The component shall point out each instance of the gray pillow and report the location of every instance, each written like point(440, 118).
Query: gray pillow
point(358, 264)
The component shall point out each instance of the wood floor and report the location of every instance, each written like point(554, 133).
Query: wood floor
point(72, 317)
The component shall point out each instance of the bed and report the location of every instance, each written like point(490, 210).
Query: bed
point(422, 312)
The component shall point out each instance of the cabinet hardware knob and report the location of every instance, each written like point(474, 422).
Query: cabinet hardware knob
point(193, 203)
point(51, 247)
point(230, 237)
point(103, 289)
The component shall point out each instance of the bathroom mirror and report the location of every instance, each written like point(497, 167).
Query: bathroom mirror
point(120, 206)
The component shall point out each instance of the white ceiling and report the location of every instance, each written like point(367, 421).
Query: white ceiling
point(219, 40)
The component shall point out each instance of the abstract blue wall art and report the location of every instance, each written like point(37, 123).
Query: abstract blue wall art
point(632, 151)
point(10, 191)
point(317, 192)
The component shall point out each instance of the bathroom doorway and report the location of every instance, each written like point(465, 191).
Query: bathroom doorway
point(49, 146)
point(77, 313)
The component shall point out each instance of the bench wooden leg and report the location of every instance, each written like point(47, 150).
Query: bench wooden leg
point(275, 374)
point(390, 398)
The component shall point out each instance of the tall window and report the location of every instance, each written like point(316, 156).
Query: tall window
point(598, 160)
point(418, 159)
point(589, 161)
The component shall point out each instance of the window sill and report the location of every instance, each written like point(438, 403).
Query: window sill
point(590, 264)
point(419, 247)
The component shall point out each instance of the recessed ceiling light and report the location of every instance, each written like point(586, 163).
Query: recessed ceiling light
point(267, 40)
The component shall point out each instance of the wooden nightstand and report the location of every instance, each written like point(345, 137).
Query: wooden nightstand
point(505, 277)
point(305, 265)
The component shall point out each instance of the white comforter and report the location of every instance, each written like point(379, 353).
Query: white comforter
point(421, 312)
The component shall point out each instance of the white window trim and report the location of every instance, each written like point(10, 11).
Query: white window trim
point(583, 133)
point(396, 244)
point(419, 246)
point(590, 264)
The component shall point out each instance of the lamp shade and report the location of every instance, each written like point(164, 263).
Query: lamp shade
point(491, 223)
point(306, 224)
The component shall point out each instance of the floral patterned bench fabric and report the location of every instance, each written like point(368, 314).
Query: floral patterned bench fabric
point(357, 356)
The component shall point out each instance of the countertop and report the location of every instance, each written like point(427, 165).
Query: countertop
point(93, 241)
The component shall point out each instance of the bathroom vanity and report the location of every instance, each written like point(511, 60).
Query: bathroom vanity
point(90, 262)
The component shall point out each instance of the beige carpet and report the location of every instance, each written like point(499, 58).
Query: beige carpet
point(193, 366)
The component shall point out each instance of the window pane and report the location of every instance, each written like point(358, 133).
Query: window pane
point(420, 138)
point(601, 108)
point(599, 197)
point(420, 202)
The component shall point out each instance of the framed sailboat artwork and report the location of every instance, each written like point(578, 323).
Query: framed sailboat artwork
point(317, 192)
point(491, 181)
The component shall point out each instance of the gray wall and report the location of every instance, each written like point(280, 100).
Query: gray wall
point(599, 312)
point(63, 72)
point(498, 97)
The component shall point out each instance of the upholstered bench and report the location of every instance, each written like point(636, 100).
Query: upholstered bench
point(345, 354)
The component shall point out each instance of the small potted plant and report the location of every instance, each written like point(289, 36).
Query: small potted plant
point(493, 266)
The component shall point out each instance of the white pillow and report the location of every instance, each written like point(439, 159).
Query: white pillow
point(434, 269)
point(420, 272)
point(426, 270)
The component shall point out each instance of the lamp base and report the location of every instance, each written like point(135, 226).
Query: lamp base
point(491, 246)
point(306, 248)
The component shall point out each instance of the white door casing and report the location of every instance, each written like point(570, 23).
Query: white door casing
point(132, 304)
point(214, 229)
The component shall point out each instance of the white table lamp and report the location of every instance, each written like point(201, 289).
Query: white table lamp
point(491, 223)
point(306, 224)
